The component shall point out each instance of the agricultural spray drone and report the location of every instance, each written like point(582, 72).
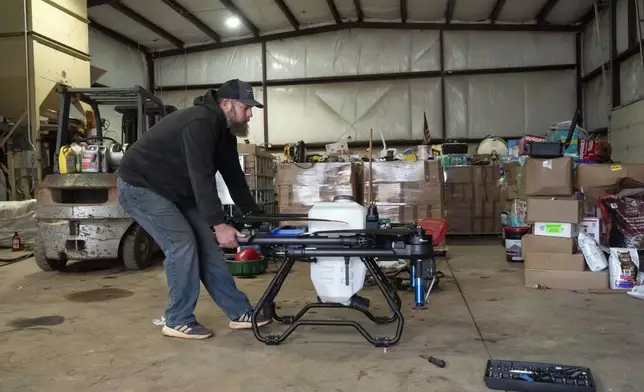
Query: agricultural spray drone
point(342, 244)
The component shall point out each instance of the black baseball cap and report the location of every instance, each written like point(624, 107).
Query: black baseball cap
point(240, 91)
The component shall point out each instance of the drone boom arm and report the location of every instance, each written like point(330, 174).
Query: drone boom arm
point(415, 246)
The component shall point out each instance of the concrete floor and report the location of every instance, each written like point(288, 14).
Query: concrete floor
point(93, 331)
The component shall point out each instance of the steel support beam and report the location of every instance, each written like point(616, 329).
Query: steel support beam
point(403, 11)
point(614, 64)
point(288, 14)
point(187, 15)
point(265, 92)
point(632, 24)
point(149, 63)
point(580, 83)
point(381, 77)
point(138, 18)
point(545, 11)
point(359, 13)
point(496, 11)
point(334, 11)
point(245, 21)
point(449, 11)
point(96, 3)
point(443, 92)
point(372, 25)
point(117, 36)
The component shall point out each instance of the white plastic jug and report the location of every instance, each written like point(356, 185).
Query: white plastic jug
point(328, 274)
point(91, 159)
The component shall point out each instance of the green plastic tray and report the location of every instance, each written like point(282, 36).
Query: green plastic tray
point(247, 268)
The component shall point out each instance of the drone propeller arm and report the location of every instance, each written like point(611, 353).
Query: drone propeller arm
point(295, 240)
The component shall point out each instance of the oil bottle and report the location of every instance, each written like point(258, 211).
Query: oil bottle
point(67, 160)
point(91, 159)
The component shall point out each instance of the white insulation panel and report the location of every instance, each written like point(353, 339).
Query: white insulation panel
point(596, 102)
point(211, 67)
point(595, 40)
point(595, 43)
point(124, 66)
point(353, 52)
point(500, 104)
point(631, 79)
point(332, 112)
point(479, 49)
point(508, 105)
point(627, 133)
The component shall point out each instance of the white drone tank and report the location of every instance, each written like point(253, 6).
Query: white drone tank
point(328, 274)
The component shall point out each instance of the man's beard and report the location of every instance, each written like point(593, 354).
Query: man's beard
point(236, 128)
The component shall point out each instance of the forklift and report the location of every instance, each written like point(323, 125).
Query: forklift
point(78, 215)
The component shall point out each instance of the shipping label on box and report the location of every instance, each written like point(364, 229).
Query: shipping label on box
point(553, 229)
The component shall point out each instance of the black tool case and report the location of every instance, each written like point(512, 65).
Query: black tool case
point(549, 150)
point(506, 375)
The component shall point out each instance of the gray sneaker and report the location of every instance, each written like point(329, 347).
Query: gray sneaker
point(244, 321)
point(192, 330)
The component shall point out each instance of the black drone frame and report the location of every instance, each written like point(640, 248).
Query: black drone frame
point(414, 245)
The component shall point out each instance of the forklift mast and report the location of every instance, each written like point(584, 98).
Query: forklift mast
point(140, 109)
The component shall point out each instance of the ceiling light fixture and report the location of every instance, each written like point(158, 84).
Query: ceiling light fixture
point(233, 22)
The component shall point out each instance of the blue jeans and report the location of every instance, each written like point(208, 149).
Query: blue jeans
point(191, 251)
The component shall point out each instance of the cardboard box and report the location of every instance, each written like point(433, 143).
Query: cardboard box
point(555, 210)
point(567, 280)
point(554, 261)
point(608, 174)
point(554, 229)
point(549, 177)
point(473, 202)
point(536, 243)
point(304, 185)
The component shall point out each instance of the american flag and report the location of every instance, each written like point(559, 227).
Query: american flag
point(426, 137)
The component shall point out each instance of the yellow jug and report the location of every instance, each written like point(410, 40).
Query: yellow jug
point(67, 160)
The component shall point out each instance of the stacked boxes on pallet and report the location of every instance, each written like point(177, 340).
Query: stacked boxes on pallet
point(259, 168)
point(551, 254)
point(472, 199)
point(300, 185)
point(406, 191)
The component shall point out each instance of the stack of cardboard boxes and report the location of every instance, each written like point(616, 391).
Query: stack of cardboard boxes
point(472, 199)
point(557, 214)
point(301, 185)
point(406, 191)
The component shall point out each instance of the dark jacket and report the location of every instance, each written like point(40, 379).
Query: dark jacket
point(180, 155)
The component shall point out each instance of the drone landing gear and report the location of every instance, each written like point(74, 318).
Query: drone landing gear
point(267, 305)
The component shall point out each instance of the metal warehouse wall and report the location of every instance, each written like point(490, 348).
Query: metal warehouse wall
point(491, 102)
point(124, 66)
point(608, 99)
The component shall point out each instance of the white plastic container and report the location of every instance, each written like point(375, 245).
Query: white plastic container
point(91, 159)
point(328, 274)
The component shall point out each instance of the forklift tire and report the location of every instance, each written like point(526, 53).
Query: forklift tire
point(43, 262)
point(137, 249)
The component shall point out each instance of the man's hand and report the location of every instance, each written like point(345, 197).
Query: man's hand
point(227, 236)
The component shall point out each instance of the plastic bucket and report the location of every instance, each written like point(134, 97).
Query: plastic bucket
point(513, 237)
